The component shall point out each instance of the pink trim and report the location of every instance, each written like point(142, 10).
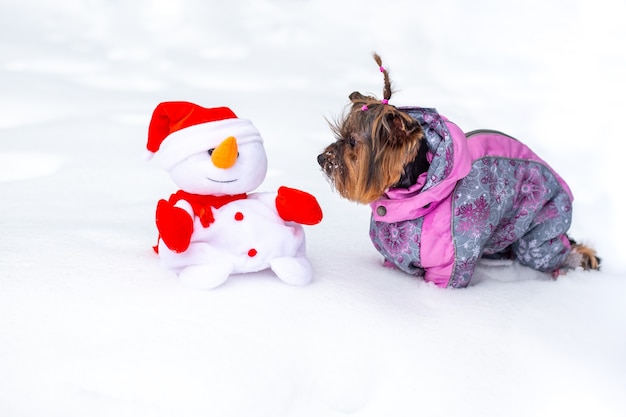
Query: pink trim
point(499, 145)
point(565, 242)
point(437, 250)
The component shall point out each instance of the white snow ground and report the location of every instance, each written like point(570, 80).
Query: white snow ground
point(91, 325)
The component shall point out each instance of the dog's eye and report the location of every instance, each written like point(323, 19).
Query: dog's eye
point(351, 141)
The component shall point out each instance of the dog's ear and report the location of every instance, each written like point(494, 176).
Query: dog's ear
point(401, 129)
point(356, 96)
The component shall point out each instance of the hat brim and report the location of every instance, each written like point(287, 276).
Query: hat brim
point(201, 137)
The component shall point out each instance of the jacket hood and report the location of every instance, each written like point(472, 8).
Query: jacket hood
point(449, 162)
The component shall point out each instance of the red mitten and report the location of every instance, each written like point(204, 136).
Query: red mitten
point(298, 206)
point(175, 226)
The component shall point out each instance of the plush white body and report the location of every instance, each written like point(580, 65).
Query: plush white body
point(246, 236)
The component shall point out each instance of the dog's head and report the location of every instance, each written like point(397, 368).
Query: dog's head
point(374, 142)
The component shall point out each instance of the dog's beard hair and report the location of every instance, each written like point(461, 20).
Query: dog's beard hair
point(364, 172)
point(359, 179)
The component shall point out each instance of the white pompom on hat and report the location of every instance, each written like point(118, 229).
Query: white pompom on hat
point(179, 129)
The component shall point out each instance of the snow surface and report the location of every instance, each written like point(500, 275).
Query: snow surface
point(91, 325)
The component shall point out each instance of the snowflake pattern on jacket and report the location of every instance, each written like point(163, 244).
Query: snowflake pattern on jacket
point(485, 193)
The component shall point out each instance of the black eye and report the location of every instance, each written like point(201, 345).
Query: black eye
point(351, 141)
point(210, 151)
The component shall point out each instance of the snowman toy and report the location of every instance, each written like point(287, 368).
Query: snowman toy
point(215, 226)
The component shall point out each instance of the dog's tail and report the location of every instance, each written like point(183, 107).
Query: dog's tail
point(588, 257)
point(581, 256)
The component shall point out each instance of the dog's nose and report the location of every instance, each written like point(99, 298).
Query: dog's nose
point(321, 159)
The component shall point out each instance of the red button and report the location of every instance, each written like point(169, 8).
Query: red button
point(252, 253)
point(239, 216)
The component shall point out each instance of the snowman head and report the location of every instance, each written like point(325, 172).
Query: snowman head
point(207, 150)
point(229, 168)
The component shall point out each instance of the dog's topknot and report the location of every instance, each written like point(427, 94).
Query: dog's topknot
point(387, 89)
point(362, 102)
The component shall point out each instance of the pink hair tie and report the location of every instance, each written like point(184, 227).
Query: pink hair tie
point(384, 101)
point(364, 108)
point(382, 69)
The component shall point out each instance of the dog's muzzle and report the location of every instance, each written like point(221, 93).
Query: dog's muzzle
point(321, 159)
point(325, 160)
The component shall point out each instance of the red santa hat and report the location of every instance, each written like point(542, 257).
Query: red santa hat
point(179, 129)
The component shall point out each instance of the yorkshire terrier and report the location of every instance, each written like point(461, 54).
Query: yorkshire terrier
point(443, 199)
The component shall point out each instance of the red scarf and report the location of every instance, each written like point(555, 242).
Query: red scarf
point(202, 204)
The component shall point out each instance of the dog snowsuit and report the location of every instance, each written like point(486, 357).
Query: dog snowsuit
point(485, 193)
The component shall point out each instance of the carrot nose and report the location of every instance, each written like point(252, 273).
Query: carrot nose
point(225, 155)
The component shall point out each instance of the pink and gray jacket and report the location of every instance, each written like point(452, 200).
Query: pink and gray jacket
point(484, 194)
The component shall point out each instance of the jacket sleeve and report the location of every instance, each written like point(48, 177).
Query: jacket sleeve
point(437, 245)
